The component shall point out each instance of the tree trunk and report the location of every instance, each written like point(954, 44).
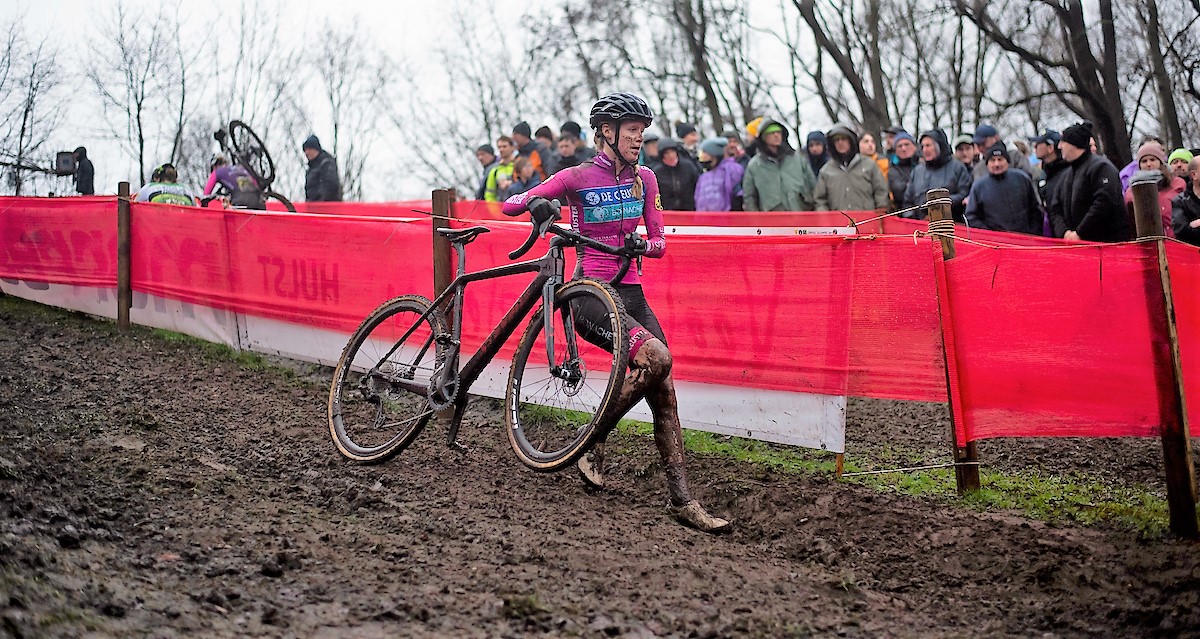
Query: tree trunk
point(1169, 115)
point(693, 22)
point(873, 103)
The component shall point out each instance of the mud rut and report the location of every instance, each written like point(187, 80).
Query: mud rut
point(148, 488)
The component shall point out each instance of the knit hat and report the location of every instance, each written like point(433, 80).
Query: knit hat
point(683, 129)
point(963, 139)
point(522, 128)
point(1153, 149)
point(895, 129)
point(816, 136)
point(311, 143)
point(1079, 135)
point(486, 148)
point(1180, 154)
point(752, 126)
point(715, 147)
point(904, 135)
point(997, 150)
point(771, 128)
point(649, 137)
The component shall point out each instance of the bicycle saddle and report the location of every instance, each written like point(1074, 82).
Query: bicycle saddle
point(463, 236)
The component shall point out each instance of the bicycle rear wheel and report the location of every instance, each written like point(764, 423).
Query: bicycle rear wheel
point(553, 408)
point(250, 152)
point(378, 402)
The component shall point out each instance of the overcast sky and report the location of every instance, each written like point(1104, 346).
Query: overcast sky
point(407, 30)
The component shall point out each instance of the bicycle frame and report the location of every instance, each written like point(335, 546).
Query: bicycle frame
point(549, 269)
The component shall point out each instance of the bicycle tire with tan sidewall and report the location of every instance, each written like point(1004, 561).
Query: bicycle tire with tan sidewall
point(586, 435)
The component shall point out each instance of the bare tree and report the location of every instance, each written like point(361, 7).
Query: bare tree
point(129, 63)
point(1080, 73)
point(440, 134)
point(850, 35)
point(354, 78)
point(257, 75)
point(30, 77)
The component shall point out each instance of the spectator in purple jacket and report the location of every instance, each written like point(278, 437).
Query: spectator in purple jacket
point(722, 175)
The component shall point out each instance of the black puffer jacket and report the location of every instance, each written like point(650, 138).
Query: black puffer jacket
point(942, 172)
point(321, 183)
point(676, 184)
point(898, 177)
point(1089, 202)
point(1185, 208)
point(1054, 172)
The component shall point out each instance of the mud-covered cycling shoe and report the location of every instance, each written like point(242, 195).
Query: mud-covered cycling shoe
point(693, 515)
point(590, 470)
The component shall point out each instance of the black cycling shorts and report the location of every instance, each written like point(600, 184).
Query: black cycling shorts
point(640, 322)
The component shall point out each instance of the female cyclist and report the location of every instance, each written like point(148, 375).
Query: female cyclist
point(608, 196)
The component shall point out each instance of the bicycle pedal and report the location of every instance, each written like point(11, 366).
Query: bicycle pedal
point(455, 445)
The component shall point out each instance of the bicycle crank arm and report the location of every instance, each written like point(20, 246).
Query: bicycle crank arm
point(455, 421)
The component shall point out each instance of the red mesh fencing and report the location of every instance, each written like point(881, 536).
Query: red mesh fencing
point(1048, 340)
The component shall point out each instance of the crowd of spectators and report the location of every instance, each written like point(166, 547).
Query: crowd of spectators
point(1052, 184)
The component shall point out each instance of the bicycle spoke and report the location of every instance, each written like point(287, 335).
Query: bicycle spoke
point(379, 402)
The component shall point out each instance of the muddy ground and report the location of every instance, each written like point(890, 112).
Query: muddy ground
point(149, 488)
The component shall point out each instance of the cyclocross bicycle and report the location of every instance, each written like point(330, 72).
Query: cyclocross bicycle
point(401, 366)
point(244, 148)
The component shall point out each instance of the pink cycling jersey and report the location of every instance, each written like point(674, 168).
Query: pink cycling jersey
point(603, 208)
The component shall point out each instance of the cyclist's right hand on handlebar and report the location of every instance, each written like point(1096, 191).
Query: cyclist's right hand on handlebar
point(636, 245)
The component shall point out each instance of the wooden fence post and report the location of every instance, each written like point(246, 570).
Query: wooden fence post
point(443, 258)
point(1177, 447)
point(966, 454)
point(124, 283)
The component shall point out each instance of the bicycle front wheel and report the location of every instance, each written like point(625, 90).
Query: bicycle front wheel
point(379, 402)
point(555, 406)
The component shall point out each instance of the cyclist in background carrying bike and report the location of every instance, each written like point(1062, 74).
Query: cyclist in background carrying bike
point(608, 196)
point(243, 190)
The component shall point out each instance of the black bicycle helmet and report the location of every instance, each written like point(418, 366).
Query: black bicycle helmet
point(619, 107)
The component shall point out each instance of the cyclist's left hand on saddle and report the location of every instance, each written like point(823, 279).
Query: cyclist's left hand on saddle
point(544, 213)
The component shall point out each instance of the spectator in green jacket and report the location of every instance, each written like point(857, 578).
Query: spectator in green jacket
point(777, 178)
point(849, 181)
point(501, 176)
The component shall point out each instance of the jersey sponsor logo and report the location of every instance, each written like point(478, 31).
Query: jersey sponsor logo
point(658, 201)
point(610, 204)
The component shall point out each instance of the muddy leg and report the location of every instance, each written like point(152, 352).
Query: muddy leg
point(651, 365)
point(668, 437)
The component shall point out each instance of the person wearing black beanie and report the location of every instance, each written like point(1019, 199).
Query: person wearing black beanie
point(1088, 204)
point(1004, 198)
point(1079, 135)
point(322, 181)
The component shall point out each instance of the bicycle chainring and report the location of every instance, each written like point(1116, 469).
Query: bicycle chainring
point(441, 398)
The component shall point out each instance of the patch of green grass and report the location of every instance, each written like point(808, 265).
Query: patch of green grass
point(1073, 498)
point(1076, 498)
point(247, 360)
point(524, 607)
point(69, 617)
